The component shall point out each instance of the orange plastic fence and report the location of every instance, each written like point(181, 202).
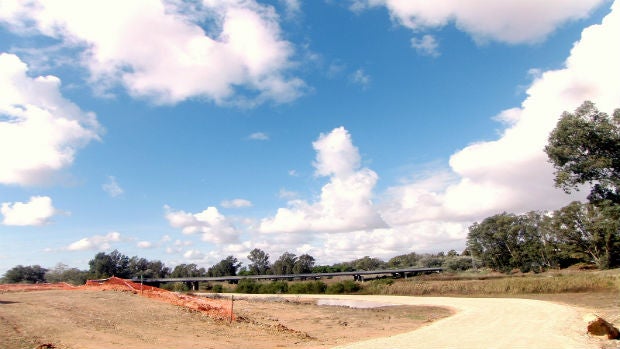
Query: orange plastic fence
point(215, 308)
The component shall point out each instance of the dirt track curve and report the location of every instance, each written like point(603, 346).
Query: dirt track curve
point(486, 323)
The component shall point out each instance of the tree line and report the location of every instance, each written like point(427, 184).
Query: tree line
point(104, 265)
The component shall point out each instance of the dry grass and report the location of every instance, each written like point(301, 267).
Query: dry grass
point(481, 285)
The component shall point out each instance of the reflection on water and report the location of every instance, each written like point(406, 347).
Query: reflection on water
point(352, 303)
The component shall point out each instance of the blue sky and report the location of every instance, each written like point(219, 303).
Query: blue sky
point(187, 131)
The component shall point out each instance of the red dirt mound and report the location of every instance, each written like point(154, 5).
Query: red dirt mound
point(218, 309)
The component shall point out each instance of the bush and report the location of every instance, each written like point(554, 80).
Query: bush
point(346, 286)
point(458, 263)
point(335, 288)
point(274, 287)
point(377, 286)
point(248, 286)
point(176, 287)
point(309, 287)
point(217, 288)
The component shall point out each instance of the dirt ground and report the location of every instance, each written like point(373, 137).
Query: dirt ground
point(111, 319)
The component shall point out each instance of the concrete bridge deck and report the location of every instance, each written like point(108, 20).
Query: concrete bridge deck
point(357, 275)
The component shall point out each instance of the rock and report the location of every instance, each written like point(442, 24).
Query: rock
point(597, 326)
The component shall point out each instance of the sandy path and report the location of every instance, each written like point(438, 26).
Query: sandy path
point(487, 323)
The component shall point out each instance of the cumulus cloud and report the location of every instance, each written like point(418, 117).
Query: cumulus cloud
point(210, 223)
point(40, 131)
point(112, 187)
point(426, 45)
point(158, 50)
point(510, 21)
point(345, 201)
point(236, 203)
point(37, 211)
point(512, 173)
point(96, 242)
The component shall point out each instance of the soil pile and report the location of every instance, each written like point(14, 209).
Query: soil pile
point(598, 326)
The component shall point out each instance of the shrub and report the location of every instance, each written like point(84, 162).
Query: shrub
point(247, 286)
point(176, 287)
point(309, 287)
point(458, 263)
point(274, 287)
point(377, 286)
point(346, 286)
point(217, 288)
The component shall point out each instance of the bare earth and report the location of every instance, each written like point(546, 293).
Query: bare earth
point(97, 319)
point(110, 319)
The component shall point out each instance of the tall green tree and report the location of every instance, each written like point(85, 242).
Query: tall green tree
point(589, 232)
point(285, 264)
point(146, 268)
point(226, 267)
point(187, 270)
point(303, 264)
point(506, 241)
point(105, 265)
point(259, 262)
point(584, 148)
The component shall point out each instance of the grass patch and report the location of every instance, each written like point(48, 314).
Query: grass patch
point(546, 283)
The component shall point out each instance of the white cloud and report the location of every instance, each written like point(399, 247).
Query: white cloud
point(112, 187)
point(512, 173)
point(38, 211)
point(427, 45)
point(194, 255)
point(510, 21)
point(287, 194)
point(156, 49)
point(236, 203)
point(345, 202)
point(292, 7)
point(259, 136)
point(144, 244)
point(96, 242)
point(41, 129)
point(361, 78)
point(210, 223)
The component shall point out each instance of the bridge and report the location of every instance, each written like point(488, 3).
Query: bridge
point(358, 275)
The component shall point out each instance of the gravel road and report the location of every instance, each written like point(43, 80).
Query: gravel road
point(486, 323)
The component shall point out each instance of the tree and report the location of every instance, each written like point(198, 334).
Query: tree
point(493, 241)
point(27, 274)
point(303, 264)
point(284, 264)
point(187, 270)
point(259, 262)
point(106, 265)
point(62, 273)
point(584, 148)
point(368, 263)
point(589, 232)
point(148, 269)
point(226, 267)
point(404, 261)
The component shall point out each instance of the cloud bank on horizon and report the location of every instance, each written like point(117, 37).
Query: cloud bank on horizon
point(234, 54)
